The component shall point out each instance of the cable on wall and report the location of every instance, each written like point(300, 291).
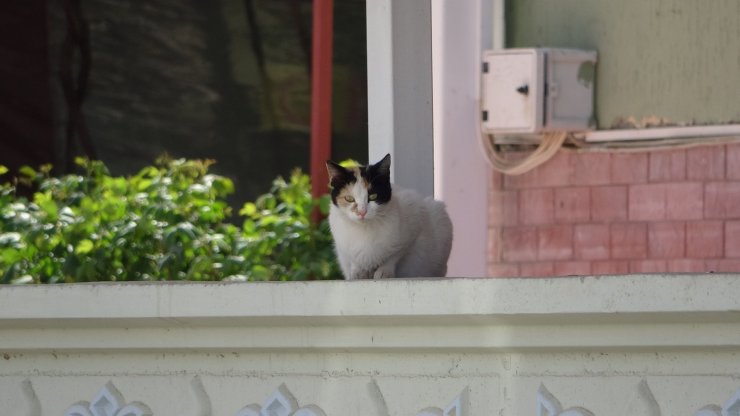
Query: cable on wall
point(549, 145)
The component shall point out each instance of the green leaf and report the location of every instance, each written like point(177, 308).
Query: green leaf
point(3, 170)
point(11, 255)
point(27, 171)
point(223, 186)
point(25, 279)
point(143, 184)
point(46, 168)
point(50, 208)
point(349, 163)
point(249, 210)
point(83, 247)
point(9, 275)
point(11, 239)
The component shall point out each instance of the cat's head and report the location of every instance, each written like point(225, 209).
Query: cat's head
point(360, 192)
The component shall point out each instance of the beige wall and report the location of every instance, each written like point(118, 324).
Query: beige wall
point(620, 345)
point(672, 59)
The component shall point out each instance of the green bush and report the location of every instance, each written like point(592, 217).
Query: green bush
point(168, 222)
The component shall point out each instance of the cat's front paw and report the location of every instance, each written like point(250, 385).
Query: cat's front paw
point(383, 273)
point(360, 273)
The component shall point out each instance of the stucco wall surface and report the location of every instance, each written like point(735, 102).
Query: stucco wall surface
point(660, 62)
point(610, 345)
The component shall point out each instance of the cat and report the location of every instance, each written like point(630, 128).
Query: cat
point(382, 230)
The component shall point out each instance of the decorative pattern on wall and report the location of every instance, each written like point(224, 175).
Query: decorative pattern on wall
point(643, 403)
point(32, 400)
point(201, 397)
point(458, 407)
point(730, 408)
point(108, 402)
point(280, 403)
point(548, 405)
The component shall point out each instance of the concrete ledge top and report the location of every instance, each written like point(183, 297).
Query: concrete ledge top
point(633, 312)
point(629, 294)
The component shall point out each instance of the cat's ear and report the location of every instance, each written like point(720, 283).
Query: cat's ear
point(334, 169)
point(384, 166)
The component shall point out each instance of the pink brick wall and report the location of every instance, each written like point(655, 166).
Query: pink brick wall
point(606, 213)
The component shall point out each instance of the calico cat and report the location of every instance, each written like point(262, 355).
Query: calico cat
point(385, 231)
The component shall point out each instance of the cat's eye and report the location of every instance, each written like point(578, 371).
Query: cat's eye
point(349, 198)
point(373, 197)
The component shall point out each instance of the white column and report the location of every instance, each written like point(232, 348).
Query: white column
point(460, 31)
point(399, 77)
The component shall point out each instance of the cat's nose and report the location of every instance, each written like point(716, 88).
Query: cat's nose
point(362, 214)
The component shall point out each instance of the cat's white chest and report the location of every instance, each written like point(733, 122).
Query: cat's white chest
point(364, 245)
point(363, 239)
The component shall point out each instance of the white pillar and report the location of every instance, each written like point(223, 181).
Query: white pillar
point(460, 31)
point(399, 78)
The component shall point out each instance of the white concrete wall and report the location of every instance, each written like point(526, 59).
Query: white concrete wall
point(399, 80)
point(625, 345)
point(423, 69)
point(460, 32)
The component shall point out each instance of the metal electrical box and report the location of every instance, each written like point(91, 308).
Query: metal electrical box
point(526, 91)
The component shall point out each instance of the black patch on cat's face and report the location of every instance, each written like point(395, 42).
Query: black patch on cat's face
point(377, 176)
point(339, 177)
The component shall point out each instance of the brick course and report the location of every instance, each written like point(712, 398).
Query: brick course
point(667, 166)
point(572, 204)
point(584, 213)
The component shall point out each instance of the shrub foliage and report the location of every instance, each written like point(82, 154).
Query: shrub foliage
point(168, 222)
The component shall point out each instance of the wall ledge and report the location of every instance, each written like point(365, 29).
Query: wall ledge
point(607, 312)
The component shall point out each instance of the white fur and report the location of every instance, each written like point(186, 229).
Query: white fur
point(410, 236)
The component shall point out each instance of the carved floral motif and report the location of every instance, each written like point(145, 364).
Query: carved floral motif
point(643, 403)
point(458, 407)
point(730, 408)
point(548, 405)
point(108, 402)
point(280, 403)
